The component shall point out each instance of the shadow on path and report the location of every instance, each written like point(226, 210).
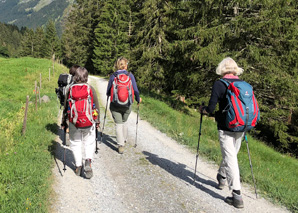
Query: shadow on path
point(110, 141)
point(54, 128)
point(58, 150)
point(180, 171)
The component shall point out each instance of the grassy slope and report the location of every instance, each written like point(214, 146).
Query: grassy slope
point(275, 174)
point(26, 161)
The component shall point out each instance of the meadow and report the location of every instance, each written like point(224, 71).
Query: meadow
point(26, 159)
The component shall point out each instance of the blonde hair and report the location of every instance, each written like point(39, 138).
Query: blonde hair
point(121, 63)
point(228, 66)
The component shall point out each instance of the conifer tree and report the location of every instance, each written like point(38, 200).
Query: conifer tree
point(149, 43)
point(39, 37)
point(111, 35)
point(10, 40)
point(78, 33)
point(105, 34)
point(51, 41)
point(4, 52)
point(27, 43)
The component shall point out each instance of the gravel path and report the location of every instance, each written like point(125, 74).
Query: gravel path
point(156, 176)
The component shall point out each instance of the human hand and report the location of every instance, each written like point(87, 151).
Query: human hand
point(203, 109)
point(64, 125)
point(140, 100)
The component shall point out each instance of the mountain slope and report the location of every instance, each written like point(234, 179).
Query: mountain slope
point(33, 13)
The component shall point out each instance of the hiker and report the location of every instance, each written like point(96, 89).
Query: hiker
point(121, 99)
point(72, 72)
point(230, 142)
point(64, 81)
point(83, 115)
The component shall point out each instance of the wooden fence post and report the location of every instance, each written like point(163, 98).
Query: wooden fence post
point(35, 95)
point(39, 95)
point(53, 62)
point(40, 81)
point(25, 117)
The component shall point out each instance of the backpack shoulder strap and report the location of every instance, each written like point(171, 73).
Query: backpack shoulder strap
point(116, 74)
point(226, 82)
point(70, 79)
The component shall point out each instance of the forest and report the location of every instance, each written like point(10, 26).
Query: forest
point(174, 47)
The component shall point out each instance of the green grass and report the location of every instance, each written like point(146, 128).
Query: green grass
point(26, 161)
point(275, 174)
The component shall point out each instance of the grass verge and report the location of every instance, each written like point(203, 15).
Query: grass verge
point(26, 160)
point(275, 174)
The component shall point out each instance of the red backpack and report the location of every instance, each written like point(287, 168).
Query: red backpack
point(122, 92)
point(81, 106)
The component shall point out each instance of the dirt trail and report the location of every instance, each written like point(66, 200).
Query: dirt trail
point(156, 176)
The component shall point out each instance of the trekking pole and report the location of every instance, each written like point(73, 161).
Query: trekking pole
point(96, 140)
point(104, 120)
point(64, 143)
point(245, 138)
point(197, 155)
point(137, 126)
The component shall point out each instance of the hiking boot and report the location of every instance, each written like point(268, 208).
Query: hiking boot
point(120, 149)
point(221, 181)
point(88, 169)
point(78, 170)
point(235, 200)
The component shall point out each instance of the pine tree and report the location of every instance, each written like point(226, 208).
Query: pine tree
point(27, 43)
point(10, 40)
point(78, 35)
point(111, 35)
point(39, 37)
point(149, 43)
point(105, 34)
point(51, 41)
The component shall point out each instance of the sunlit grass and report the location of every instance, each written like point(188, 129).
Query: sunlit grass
point(26, 160)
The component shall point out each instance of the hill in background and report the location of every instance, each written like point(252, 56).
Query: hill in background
point(33, 13)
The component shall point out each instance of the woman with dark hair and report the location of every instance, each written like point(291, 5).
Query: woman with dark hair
point(72, 69)
point(82, 132)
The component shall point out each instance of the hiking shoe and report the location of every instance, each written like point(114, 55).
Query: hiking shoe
point(235, 200)
point(88, 169)
point(78, 170)
point(221, 181)
point(120, 149)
